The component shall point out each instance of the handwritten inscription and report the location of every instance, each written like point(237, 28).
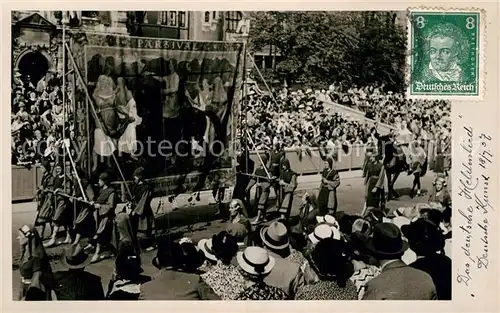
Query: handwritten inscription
point(474, 205)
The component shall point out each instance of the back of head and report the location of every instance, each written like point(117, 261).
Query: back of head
point(224, 246)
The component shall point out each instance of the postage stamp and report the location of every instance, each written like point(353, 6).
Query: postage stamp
point(445, 54)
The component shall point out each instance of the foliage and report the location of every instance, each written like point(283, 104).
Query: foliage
point(324, 47)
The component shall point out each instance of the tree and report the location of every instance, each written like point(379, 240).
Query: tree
point(323, 47)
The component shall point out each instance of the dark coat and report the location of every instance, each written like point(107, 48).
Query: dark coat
point(438, 266)
point(78, 285)
point(399, 281)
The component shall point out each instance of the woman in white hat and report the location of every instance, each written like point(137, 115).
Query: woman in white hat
point(255, 264)
point(223, 280)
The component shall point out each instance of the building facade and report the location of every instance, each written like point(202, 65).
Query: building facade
point(37, 35)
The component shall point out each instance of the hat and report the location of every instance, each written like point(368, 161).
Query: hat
point(423, 236)
point(275, 236)
point(409, 212)
point(387, 241)
point(104, 177)
point(238, 231)
point(309, 90)
point(17, 74)
point(224, 246)
point(323, 231)
point(328, 219)
point(205, 245)
point(400, 221)
point(329, 257)
point(75, 257)
point(361, 226)
point(255, 261)
point(139, 172)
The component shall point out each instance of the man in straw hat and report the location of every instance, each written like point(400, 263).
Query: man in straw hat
point(256, 264)
point(76, 283)
point(397, 281)
point(285, 274)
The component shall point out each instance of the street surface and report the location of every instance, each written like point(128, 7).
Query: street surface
point(197, 221)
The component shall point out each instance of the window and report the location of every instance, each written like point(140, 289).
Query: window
point(232, 19)
point(162, 18)
point(172, 18)
point(207, 17)
point(90, 14)
point(182, 19)
point(214, 15)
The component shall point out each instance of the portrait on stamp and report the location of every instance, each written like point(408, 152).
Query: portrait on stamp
point(445, 53)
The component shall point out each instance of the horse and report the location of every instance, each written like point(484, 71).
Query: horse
point(394, 163)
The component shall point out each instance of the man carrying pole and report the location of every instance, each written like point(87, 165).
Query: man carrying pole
point(63, 216)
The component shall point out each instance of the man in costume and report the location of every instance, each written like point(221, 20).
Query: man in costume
point(330, 180)
point(277, 155)
point(245, 166)
point(63, 215)
point(263, 183)
point(142, 216)
point(105, 204)
point(288, 184)
point(374, 183)
point(85, 224)
point(45, 200)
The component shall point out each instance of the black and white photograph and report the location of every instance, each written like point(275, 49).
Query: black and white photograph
point(225, 155)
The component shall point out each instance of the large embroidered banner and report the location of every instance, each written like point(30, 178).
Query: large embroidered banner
point(167, 105)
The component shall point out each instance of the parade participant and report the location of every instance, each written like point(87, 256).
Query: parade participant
point(123, 237)
point(45, 200)
point(37, 281)
point(440, 194)
point(277, 155)
point(330, 180)
point(263, 187)
point(63, 216)
point(105, 205)
point(442, 162)
point(245, 166)
point(142, 215)
point(85, 224)
point(288, 183)
point(374, 184)
point(417, 158)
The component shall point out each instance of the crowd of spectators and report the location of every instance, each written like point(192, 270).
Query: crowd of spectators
point(297, 118)
point(37, 119)
point(405, 256)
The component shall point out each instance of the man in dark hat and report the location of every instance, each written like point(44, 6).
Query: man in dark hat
point(142, 215)
point(427, 241)
point(397, 281)
point(105, 204)
point(76, 283)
